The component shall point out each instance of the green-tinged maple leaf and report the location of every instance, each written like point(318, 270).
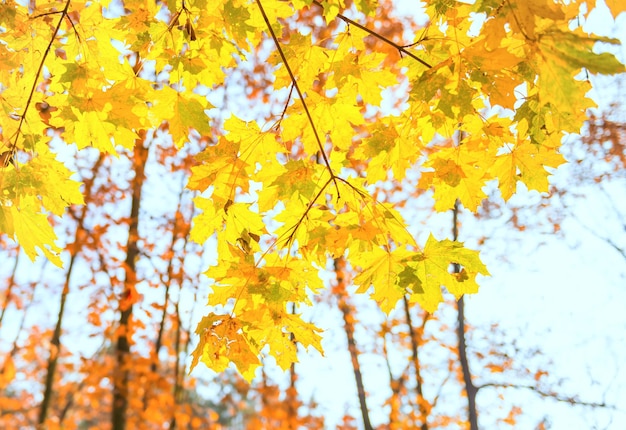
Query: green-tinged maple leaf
point(332, 9)
point(368, 7)
point(387, 150)
point(183, 111)
point(294, 177)
point(299, 4)
point(394, 274)
point(561, 56)
point(575, 49)
point(192, 69)
point(303, 56)
point(433, 270)
point(31, 190)
point(237, 20)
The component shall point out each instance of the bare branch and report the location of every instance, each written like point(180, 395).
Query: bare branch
point(572, 400)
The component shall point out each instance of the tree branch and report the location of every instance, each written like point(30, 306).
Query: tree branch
point(39, 69)
point(297, 87)
point(401, 49)
point(548, 394)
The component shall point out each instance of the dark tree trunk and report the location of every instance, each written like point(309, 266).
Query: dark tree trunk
point(470, 388)
point(122, 353)
point(415, 341)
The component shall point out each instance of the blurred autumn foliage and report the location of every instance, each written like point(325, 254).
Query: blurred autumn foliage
point(203, 176)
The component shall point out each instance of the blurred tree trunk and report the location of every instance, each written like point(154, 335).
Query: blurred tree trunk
point(10, 285)
point(470, 388)
point(129, 295)
point(55, 342)
point(415, 336)
point(348, 319)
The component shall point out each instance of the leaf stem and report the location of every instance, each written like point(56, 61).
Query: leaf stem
point(308, 209)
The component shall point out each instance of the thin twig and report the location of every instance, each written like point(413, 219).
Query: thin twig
point(282, 115)
point(549, 395)
point(380, 37)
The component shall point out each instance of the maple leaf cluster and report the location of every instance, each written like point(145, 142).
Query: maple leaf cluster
point(482, 93)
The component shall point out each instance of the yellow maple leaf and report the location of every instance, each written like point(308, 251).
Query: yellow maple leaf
point(525, 162)
point(381, 270)
point(306, 334)
point(222, 342)
point(33, 231)
point(616, 7)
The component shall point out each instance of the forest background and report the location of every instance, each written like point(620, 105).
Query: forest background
point(440, 113)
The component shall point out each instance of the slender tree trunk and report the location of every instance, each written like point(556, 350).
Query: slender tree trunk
point(179, 375)
point(14, 348)
point(396, 385)
point(158, 343)
point(58, 328)
point(348, 320)
point(470, 388)
point(7, 296)
point(122, 353)
point(55, 349)
point(415, 341)
point(178, 380)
